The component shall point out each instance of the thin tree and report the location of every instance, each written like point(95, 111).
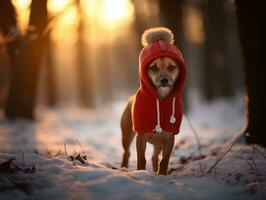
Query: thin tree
point(252, 30)
point(84, 77)
point(172, 16)
point(51, 83)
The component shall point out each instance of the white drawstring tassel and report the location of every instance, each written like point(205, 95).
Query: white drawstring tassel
point(158, 127)
point(172, 118)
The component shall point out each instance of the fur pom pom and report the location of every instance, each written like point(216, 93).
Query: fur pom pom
point(154, 34)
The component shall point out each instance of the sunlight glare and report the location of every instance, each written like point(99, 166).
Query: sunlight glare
point(22, 4)
point(102, 15)
point(110, 14)
point(23, 12)
point(66, 25)
point(66, 22)
point(115, 11)
point(55, 6)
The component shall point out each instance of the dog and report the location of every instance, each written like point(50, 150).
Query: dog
point(162, 76)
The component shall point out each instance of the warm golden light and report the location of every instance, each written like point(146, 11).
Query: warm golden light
point(102, 15)
point(115, 12)
point(66, 21)
point(66, 25)
point(22, 4)
point(23, 12)
point(55, 6)
point(194, 26)
point(109, 14)
point(99, 15)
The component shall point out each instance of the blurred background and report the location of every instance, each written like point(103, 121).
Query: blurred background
point(91, 48)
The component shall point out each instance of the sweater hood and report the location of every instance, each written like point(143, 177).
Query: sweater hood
point(150, 112)
point(157, 50)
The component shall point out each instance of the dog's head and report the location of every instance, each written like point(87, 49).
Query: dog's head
point(163, 73)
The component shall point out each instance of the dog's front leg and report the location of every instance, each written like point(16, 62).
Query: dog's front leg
point(167, 150)
point(155, 160)
point(141, 148)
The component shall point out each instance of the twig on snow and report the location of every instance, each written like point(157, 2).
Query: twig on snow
point(229, 145)
point(58, 153)
point(23, 159)
point(65, 150)
point(255, 166)
point(257, 150)
point(195, 134)
point(82, 150)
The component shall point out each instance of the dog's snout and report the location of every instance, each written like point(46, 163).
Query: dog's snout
point(164, 80)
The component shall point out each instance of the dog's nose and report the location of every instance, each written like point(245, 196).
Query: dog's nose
point(164, 80)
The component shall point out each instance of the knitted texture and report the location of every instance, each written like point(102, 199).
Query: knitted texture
point(144, 111)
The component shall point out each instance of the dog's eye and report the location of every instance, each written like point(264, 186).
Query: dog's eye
point(153, 68)
point(171, 68)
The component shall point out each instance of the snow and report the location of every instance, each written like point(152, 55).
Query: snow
point(241, 174)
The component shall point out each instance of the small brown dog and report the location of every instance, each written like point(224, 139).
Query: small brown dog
point(162, 76)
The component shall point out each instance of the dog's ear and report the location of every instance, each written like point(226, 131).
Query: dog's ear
point(153, 35)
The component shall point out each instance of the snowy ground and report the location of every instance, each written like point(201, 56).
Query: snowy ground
point(41, 170)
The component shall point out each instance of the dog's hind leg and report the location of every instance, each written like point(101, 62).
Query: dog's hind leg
point(126, 141)
point(127, 134)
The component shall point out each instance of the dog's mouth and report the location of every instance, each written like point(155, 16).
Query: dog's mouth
point(160, 84)
point(165, 86)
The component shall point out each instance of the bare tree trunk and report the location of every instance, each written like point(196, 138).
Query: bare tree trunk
point(25, 57)
point(9, 25)
point(104, 72)
point(84, 79)
point(7, 16)
point(50, 74)
point(251, 22)
point(37, 23)
point(139, 25)
point(172, 18)
point(216, 74)
point(144, 18)
point(3, 72)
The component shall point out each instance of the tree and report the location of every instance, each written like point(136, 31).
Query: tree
point(172, 18)
point(25, 53)
point(8, 24)
point(217, 69)
point(252, 30)
point(84, 78)
point(51, 83)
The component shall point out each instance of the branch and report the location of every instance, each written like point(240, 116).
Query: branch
point(195, 134)
point(258, 151)
point(228, 146)
point(14, 32)
point(51, 22)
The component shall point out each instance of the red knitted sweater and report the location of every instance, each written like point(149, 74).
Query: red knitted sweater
point(148, 106)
